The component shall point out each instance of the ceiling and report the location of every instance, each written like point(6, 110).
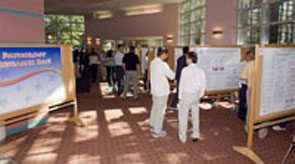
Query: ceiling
point(89, 6)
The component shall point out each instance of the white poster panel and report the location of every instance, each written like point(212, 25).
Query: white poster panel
point(219, 65)
point(278, 80)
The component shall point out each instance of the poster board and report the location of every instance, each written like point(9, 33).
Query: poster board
point(274, 79)
point(219, 64)
point(28, 66)
point(272, 94)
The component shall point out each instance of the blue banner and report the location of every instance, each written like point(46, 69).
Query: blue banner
point(30, 76)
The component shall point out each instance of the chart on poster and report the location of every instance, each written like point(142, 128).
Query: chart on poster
point(278, 80)
point(220, 65)
point(30, 76)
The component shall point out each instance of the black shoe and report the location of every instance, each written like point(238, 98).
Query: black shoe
point(242, 117)
point(195, 139)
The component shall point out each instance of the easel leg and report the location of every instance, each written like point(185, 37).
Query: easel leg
point(289, 151)
point(75, 119)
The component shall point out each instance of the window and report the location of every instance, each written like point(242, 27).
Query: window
point(266, 22)
point(192, 27)
point(65, 29)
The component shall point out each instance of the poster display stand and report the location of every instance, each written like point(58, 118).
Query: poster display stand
point(272, 96)
point(36, 79)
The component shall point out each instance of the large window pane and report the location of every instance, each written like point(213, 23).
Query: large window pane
point(65, 29)
point(281, 11)
point(254, 35)
point(254, 16)
point(193, 17)
point(281, 34)
point(197, 3)
point(185, 7)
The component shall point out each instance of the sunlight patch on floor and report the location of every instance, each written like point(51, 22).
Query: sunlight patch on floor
point(83, 159)
point(138, 110)
point(176, 157)
point(119, 129)
point(90, 132)
point(41, 158)
point(206, 106)
point(113, 114)
point(129, 158)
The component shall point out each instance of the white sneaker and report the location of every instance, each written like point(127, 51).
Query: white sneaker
point(278, 128)
point(159, 135)
point(262, 133)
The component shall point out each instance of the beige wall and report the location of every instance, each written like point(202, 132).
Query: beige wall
point(120, 26)
point(221, 14)
point(22, 21)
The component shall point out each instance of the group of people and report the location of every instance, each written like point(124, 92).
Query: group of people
point(191, 87)
point(122, 70)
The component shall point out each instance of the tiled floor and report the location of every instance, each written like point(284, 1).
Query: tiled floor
point(117, 132)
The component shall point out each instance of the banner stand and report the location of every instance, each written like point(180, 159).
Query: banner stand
point(66, 71)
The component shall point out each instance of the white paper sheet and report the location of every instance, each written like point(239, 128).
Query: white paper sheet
point(278, 80)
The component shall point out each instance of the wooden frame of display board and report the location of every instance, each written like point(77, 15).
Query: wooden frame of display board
point(68, 76)
point(255, 120)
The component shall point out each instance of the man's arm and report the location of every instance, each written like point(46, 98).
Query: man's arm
point(169, 73)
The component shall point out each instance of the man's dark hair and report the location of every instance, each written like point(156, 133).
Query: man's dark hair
point(193, 56)
point(251, 50)
point(162, 51)
point(119, 46)
point(109, 53)
point(185, 50)
point(132, 49)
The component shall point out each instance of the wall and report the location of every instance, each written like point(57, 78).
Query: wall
point(120, 26)
point(221, 14)
point(21, 21)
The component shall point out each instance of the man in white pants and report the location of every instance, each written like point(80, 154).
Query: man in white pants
point(160, 90)
point(191, 88)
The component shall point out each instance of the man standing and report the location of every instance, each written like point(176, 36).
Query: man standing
point(130, 64)
point(192, 87)
point(181, 63)
point(160, 89)
point(247, 74)
point(119, 69)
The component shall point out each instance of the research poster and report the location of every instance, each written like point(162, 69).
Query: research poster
point(30, 76)
point(220, 66)
point(278, 80)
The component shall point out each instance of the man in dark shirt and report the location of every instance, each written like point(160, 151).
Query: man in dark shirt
point(181, 63)
point(130, 64)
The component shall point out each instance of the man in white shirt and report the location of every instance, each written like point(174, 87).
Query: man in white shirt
point(191, 88)
point(119, 69)
point(160, 90)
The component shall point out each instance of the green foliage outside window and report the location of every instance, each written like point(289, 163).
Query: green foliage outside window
point(65, 29)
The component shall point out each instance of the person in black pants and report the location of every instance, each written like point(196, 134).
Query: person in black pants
point(93, 62)
point(181, 63)
point(242, 113)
